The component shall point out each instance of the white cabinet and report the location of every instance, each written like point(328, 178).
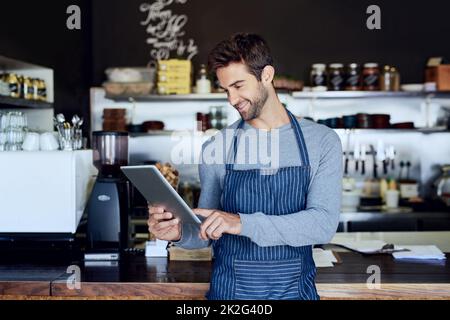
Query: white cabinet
point(44, 191)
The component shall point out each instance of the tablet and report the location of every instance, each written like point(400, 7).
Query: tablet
point(158, 192)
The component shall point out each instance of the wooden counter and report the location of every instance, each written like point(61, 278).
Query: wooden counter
point(43, 275)
point(137, 277)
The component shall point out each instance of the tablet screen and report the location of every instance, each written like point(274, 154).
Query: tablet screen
point(158, 192)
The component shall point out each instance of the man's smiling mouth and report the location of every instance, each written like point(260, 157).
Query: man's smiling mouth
point(241, 106)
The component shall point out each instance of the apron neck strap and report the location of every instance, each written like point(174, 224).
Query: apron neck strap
point(300, 139)
point(298, 135)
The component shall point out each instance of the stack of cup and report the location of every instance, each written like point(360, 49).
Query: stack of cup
point(31, 142)
point(46, 141)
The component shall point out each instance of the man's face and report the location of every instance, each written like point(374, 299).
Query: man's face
point(245, 93)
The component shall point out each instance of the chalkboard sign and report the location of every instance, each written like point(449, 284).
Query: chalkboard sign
point(299, 33)
point(165, 30)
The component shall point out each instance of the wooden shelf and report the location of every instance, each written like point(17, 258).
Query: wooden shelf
point(367, 94)
point(393, 130)
point(295, 95)
point(172, 132)
point(211, 133)
point(9, 103)
point(174, 97)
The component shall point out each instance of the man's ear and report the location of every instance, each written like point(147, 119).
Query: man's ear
point(267, 74)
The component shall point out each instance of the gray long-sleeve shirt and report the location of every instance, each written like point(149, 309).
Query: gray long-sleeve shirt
point(316, 224)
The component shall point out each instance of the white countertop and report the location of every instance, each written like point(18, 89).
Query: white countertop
point(439, 238)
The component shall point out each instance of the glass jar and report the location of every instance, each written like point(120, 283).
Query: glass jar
point(4, 85)
point(14, 85)
point(35, 88)
point(353, 77)
point(42, 90)
point(319, 76)
point(27, 88)
point(371, 77)
point(386, 79)
point(395, 82)
point(336, 77)
point(203, 84)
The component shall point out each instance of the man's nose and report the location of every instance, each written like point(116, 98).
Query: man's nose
point(233, 98)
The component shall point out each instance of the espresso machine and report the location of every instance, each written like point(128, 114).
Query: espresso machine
point(108, 209)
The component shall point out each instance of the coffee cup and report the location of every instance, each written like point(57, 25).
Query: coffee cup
point(48, 141)
point(31, 142)
point(392, 198)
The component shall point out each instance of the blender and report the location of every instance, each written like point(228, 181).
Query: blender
point(108, 208)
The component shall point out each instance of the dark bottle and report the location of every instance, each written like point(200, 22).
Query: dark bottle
point(203, 121)
point(371, 77)
point(336, 77)
point(318, 75)
point(353, 77)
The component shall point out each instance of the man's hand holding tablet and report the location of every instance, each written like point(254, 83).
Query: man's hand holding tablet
point(163, 225)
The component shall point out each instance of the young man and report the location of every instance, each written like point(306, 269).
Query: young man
point(261, 218)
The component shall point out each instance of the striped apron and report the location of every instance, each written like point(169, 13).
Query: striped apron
point(244, 270)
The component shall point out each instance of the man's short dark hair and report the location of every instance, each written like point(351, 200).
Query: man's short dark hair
point(250, 49)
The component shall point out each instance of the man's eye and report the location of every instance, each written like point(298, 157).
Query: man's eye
point(237, 87)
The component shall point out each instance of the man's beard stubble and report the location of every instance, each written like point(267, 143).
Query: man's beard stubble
point(257, 106)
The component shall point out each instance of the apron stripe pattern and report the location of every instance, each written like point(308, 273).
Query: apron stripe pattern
point(242, 269)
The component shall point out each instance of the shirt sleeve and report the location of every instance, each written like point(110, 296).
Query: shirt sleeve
point(318, 223)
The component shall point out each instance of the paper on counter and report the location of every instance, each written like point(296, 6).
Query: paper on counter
point(323, 258)
point(420, 252)
point(362, 245)
point(156, 248)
